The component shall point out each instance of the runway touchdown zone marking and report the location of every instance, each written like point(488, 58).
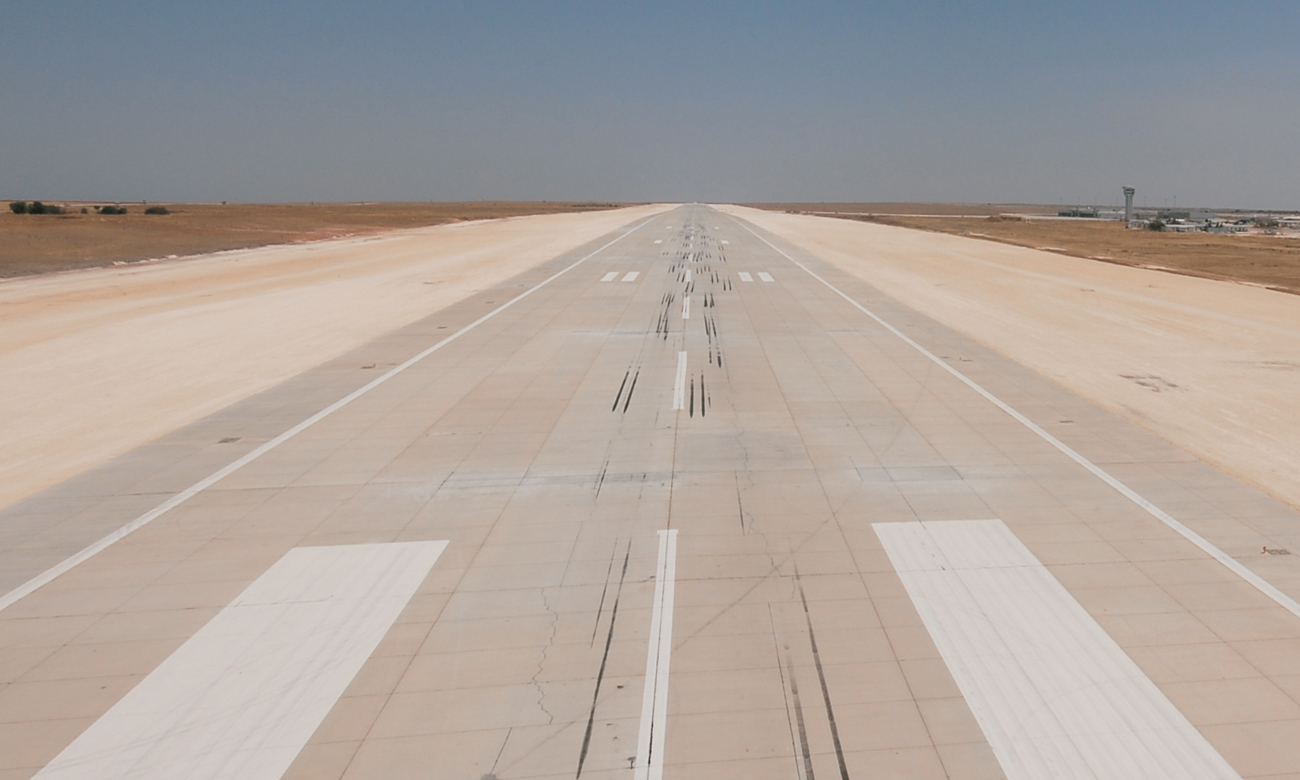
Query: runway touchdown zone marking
point(609, 277)
point(631, 276)
point(242, 696)
point(745, 277)
point(1053, 693)
point(765, 276)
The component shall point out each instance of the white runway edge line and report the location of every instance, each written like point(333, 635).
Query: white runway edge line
point(649, 762)
point(243, 695)
point(679, 383)
point(8, 599)
point(1283, 600)
point(686, 308)
point(1053, 693)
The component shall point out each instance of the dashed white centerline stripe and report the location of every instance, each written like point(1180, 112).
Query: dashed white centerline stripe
point(1265, 587)
point(1053, 693)
point(679, 384)
point(631, 276)
point(198, 487)
point(688, 274)
point(654, 700)
point(240, 698)
point(765, 276)
point(659, 240)
point(686, 308)
point(725, 241)
point(609, 277)
point(745, 277)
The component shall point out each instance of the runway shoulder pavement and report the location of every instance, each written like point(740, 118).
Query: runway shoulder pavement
point(683, 502)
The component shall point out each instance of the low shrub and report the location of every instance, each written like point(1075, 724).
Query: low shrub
point(111, 209)
point(1156, 225)
point(18, 207)
point(157, 210)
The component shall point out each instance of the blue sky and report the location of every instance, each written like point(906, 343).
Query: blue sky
point(1193, 103)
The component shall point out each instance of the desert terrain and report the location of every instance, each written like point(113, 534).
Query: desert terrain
point(1270, 261)
point(40, 243)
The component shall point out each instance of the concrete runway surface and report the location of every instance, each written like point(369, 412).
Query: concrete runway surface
point(685, 502)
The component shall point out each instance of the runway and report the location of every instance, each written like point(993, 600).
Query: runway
point(685, 502)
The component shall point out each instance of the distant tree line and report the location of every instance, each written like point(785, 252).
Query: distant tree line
point(36, 207)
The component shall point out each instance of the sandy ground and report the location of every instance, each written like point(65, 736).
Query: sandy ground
point(96, 362)
point(1211, 366)
point(1271, 261)
point(41, 243)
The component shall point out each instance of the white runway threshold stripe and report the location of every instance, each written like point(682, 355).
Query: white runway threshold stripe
point(649, 760)
point(1055, 695)
point(679, 383)
point(242, 696)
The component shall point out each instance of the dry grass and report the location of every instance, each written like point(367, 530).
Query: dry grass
point(33, 244)
point(1264, 260)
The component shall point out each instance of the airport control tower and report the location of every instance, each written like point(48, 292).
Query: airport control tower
point(1128, 206)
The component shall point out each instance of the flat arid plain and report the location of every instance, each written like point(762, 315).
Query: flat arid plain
point(679, 491)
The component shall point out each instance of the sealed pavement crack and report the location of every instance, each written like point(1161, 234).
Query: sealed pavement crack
point(541, 693)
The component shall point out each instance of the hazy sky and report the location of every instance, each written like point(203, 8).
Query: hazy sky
point(1191, 102)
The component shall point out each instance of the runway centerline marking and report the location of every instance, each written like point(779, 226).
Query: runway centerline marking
point(745, 277)
point(686, 308)
point(1258, 582)
point(765, 276)
point(688, 274)
point(243, 695)
point(649, 762)
point(631, 276)
point(1053, 693)
point(609, 277)
point(659, 240)
point(679, 384)
point(104, 543)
